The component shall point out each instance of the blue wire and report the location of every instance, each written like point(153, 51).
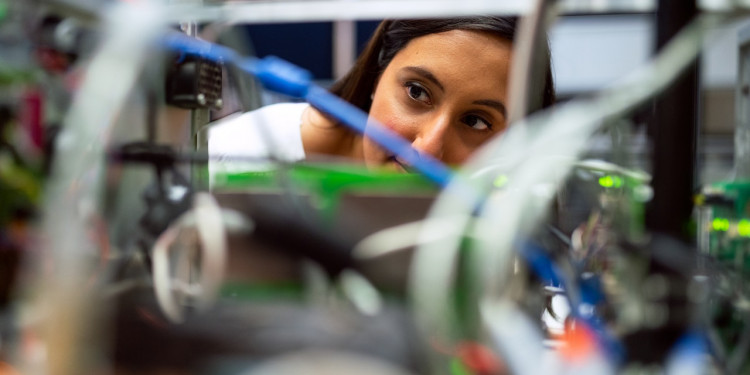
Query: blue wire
point(692, 343)
point(689, 352)
point(281, 76)
point(539, 262)
point(192, 46)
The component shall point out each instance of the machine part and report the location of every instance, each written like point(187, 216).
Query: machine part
point(723, 217)
point(59, 42)
point(194, 83)
point(165, 200)
point(198, 241)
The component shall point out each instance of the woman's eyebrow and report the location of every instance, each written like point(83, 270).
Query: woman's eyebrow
point(426, 74)
point(500, 107)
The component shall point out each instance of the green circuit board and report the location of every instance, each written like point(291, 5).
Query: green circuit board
point(725, 222)
point(327, 182)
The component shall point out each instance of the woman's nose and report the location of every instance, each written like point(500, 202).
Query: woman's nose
point(430, 138)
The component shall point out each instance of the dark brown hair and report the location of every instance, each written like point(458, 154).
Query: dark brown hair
point(392, 36)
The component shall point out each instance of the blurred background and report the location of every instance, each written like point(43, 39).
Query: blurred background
point(613, 238)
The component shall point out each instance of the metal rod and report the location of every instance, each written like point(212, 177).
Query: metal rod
point(674, 132)
point(344, 47)
point(742, 108)
point(73, 194)
point(326, 10)
point(530, 60)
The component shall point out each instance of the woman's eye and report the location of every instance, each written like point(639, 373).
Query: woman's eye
point(477, 122)
point(417, 92)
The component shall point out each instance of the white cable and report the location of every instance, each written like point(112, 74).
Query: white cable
point(162, 276)
point(206, 219)
point(611, 168)
point(74, 191)
point(362, 294)
point(403, 236)
point(213, 236)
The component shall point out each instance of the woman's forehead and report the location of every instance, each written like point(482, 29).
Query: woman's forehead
point(459, 54)
point(457, 42)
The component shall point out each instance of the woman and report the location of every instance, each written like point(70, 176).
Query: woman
point(441, 84)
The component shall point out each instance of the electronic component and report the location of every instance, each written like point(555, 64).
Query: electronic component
point(724, 223)
point(194, 83)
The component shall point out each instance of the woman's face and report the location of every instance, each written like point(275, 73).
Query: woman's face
point(445, 93)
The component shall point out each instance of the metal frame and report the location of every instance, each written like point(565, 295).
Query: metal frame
point(269, 11)
point(674, 133)
point(742, 108)
point(327, 10)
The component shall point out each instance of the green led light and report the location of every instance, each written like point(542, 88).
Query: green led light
point(606, 181)
point(720, 224)
point(501, 180)
point(743, 228)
